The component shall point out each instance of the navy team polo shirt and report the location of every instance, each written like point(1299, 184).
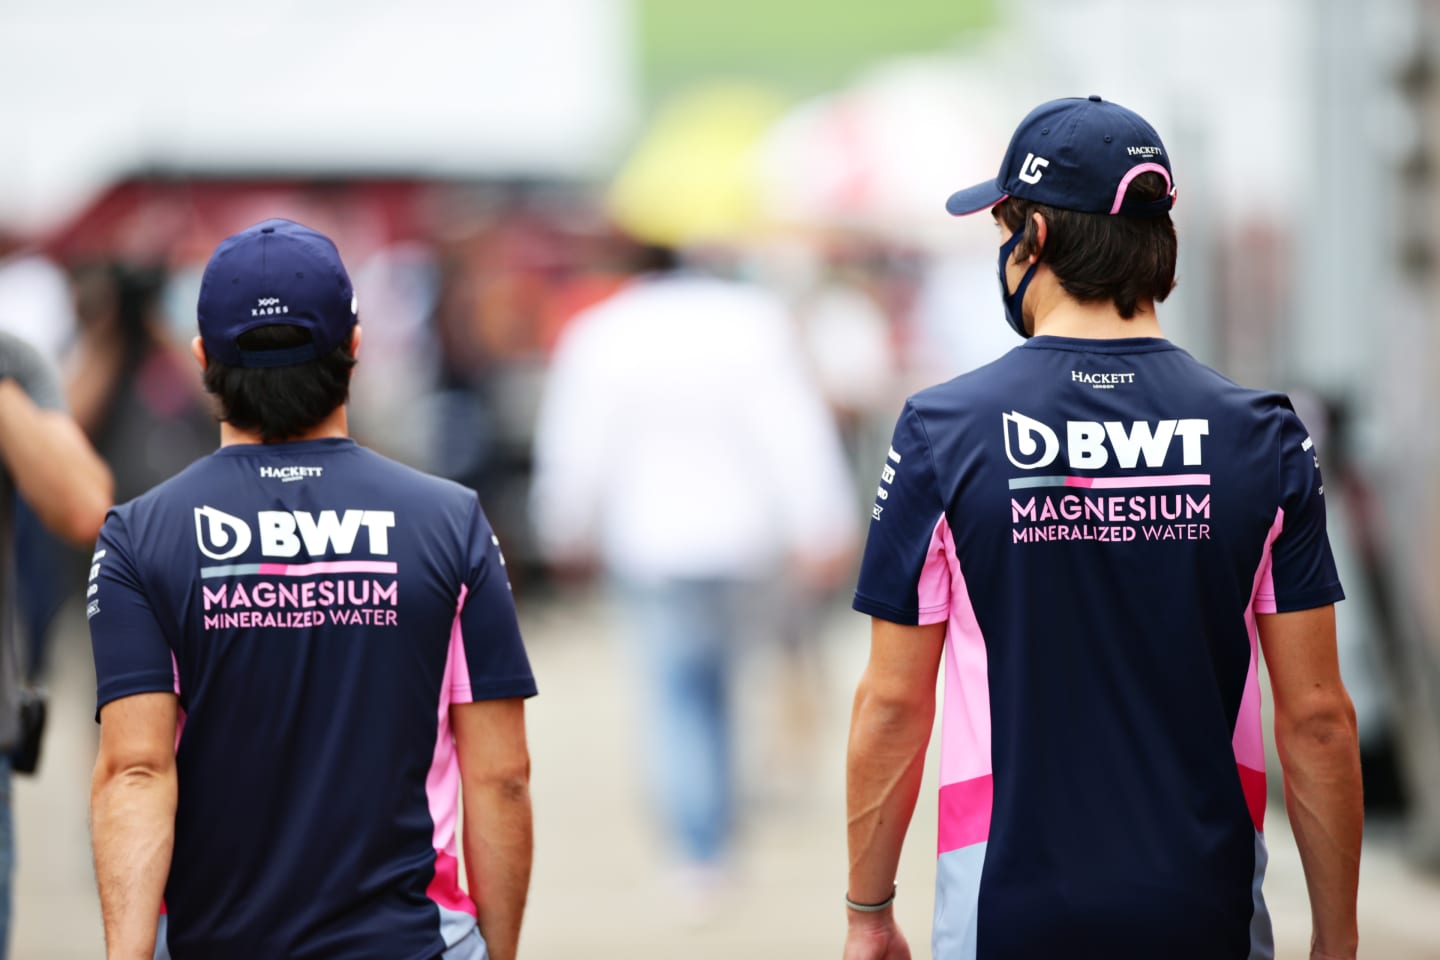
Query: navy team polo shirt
point(317, 608)
point(1098, 523)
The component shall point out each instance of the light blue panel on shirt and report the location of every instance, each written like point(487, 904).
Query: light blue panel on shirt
point(1262, 938)
point(957, 902)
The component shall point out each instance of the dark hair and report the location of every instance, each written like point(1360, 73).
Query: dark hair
point(280, 403)
point(1097, 256)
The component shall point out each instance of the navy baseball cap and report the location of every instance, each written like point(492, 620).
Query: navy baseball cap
point(275, 272)
point(1076, 154)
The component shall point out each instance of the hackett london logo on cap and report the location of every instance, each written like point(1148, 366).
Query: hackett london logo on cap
point(268, 306)
point(1144, 151)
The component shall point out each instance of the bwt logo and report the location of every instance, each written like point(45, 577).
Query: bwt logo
point(283, 532)
point(1030, 444)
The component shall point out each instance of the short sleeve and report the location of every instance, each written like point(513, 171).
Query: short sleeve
point(1302, 568)
point(27, 367)
point(131, 653)
point(904, 575)
point(487, 633)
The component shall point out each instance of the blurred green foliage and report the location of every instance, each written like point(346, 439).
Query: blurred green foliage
point(798, 47)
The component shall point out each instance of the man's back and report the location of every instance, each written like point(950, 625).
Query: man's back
point(317, 608)
point(1098, 522)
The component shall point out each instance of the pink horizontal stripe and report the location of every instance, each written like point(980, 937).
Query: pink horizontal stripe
point(1126, 483)
point(1252, 783)
point(332, 566)
point(965, 809)
point(445, 888)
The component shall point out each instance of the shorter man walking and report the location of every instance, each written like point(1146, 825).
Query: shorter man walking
point(303, 653)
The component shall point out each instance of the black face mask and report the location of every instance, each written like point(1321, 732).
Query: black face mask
point(1014, 301)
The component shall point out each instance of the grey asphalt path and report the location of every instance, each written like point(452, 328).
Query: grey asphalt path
point(602, 885)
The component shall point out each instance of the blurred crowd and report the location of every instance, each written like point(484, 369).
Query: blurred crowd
point(693, 428)
point(465, 291)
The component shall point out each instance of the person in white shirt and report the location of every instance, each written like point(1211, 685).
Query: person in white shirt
point(683, 446)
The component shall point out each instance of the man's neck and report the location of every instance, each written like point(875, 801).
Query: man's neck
point(335, 425)
point(1096, 321)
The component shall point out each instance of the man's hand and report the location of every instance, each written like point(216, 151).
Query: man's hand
point(875, 936)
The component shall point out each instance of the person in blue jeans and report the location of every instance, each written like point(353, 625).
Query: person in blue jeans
point(683, 446)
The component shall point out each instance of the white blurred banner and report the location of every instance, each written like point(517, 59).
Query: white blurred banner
point(93, 89)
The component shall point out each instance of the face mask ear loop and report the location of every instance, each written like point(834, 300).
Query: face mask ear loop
point(1015, 301)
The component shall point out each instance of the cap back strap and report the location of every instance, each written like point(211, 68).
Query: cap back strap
point(1135, 171)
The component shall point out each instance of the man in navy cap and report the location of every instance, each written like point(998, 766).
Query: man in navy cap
point(1100, 536)
point(305, 655)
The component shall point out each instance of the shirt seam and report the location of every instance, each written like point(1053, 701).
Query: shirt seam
point(887, 611)
point(1100, 347)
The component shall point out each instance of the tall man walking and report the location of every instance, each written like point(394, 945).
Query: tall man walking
point(1097, 530)
point(303, 652)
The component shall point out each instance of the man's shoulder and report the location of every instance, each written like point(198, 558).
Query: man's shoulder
point(408, 481)
point(997, 379)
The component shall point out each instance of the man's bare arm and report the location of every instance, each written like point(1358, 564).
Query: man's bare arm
point(132, 819)
point(495, 788)
point(1320, 756)
point(889, 731)
point(56, 470)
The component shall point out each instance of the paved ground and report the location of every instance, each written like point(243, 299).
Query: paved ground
point(601, 886)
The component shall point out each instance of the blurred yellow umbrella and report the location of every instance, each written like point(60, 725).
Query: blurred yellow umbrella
point(694, 177)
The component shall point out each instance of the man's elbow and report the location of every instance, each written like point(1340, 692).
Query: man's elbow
point(78, 517)
point(83, 523)
point(891, 711)
point(115, 779)
point(508, 783)
point(1324, 723)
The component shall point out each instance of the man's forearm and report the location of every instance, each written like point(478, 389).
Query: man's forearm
point(132, 815)
point(885, 764)
point(498, 839)
point(1323, 797)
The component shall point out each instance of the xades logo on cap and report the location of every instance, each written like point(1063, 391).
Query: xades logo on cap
point(1089, 444)
point(283, 533)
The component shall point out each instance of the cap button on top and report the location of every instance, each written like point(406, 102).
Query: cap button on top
point(1095, 97)
point(267, 229)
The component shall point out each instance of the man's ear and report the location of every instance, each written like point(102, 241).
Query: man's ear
point(355, 341)
point(1041, 231)
point(197, 349)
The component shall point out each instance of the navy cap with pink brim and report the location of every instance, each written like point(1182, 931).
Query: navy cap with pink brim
point(1077, 154)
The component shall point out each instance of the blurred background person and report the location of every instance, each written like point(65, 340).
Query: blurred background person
point(49, 465)
point(130, 386)
point(683, 447)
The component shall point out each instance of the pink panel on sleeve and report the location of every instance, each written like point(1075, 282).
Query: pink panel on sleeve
point(457, 677)
point(965, 728)
point(442, 783)
point(1262, 597)
point(180, 715)
point(933, 593)
point(1249, 737)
